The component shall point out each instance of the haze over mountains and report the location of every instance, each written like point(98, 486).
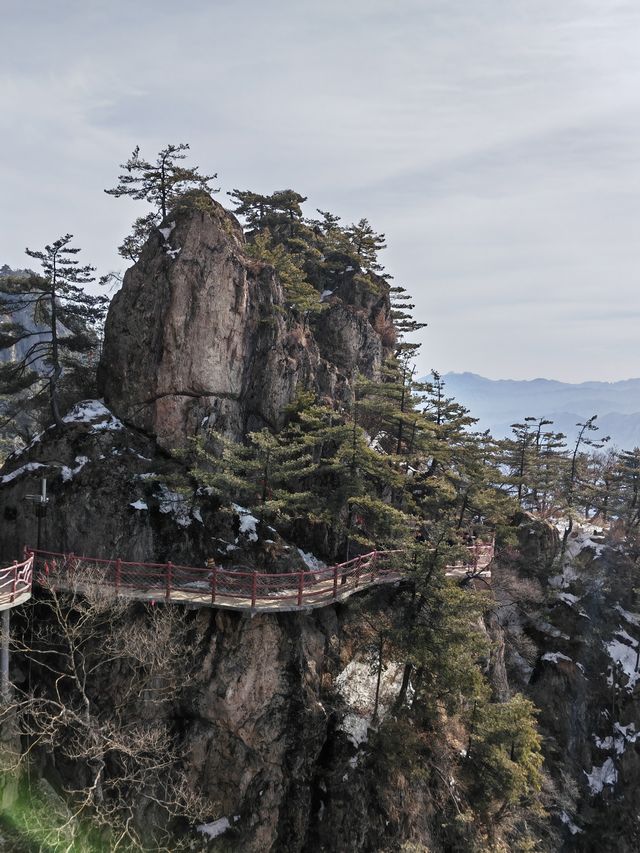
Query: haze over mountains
point(498, 403)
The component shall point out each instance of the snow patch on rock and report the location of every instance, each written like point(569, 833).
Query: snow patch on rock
point(248, 522)
point(175, 504)
point(623, 651)
point(93, 412)
point(69, 473)
point(311, 561)
point(166, 232)
point(357, 686)
point(571, 826)
point(24, 469)
point(217, 827)
point(601, 776)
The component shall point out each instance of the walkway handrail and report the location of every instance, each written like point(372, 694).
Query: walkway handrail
point(16, 580)
point(237, 588)
point(172, 581)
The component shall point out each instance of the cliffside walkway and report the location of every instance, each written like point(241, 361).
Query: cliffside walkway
point(15, 582)
point(240, 589)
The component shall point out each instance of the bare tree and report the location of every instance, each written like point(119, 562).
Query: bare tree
point(96, 717)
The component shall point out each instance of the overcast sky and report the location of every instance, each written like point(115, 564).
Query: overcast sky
point(496, 143)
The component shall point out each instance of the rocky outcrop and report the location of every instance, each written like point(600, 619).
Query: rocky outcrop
point(114, 493)
point(199, 334)
point(572, 634)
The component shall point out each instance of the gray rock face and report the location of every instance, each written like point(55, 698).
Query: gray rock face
point(581, 642)
point(200, 331)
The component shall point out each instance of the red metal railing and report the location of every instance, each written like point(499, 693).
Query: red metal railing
point(216, 586)
point(15, 581)
point(238, 588)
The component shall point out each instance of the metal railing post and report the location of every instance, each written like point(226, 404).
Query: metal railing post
point(254, 588)
point(14, 582)
point(169, 579)
point(214, 583)
point(300, 587)
point(335, 581)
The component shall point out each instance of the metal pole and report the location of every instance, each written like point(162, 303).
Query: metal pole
point(4, 656)
point(42, 509)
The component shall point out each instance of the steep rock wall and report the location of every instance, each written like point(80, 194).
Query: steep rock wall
point(572, 641)
point(199, 333)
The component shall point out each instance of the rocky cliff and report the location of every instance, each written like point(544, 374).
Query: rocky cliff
point(572, 634)
point(200, 334)
point(273, 714)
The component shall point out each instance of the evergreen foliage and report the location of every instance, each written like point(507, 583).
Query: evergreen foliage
point(52, 321)
point(160, 183)
point(299, 293)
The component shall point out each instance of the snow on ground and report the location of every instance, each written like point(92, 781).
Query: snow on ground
point(24, 469)
point(95, 413)
point(174, 504)
point(325, 295)
point(310, 560)
point(601, 776)
point(248, 522)
point(623, 651)
point(139, 504)
point(70, 473)
point(572, 601)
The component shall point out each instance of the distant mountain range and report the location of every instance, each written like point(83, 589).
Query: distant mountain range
point(498, 403)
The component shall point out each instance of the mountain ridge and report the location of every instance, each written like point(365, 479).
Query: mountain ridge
point(498, 403)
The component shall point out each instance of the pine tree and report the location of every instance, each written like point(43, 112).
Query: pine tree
point(627, 479)
point(519, 453)
point(402, 316)
point(299, 293)
point(366, 244)
point(280, 212)
point(352, 484)
point(504, 756)
point(160, 184)
point(71, 317)
point(264, 475)
point(550, 470)
point(572, 494)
